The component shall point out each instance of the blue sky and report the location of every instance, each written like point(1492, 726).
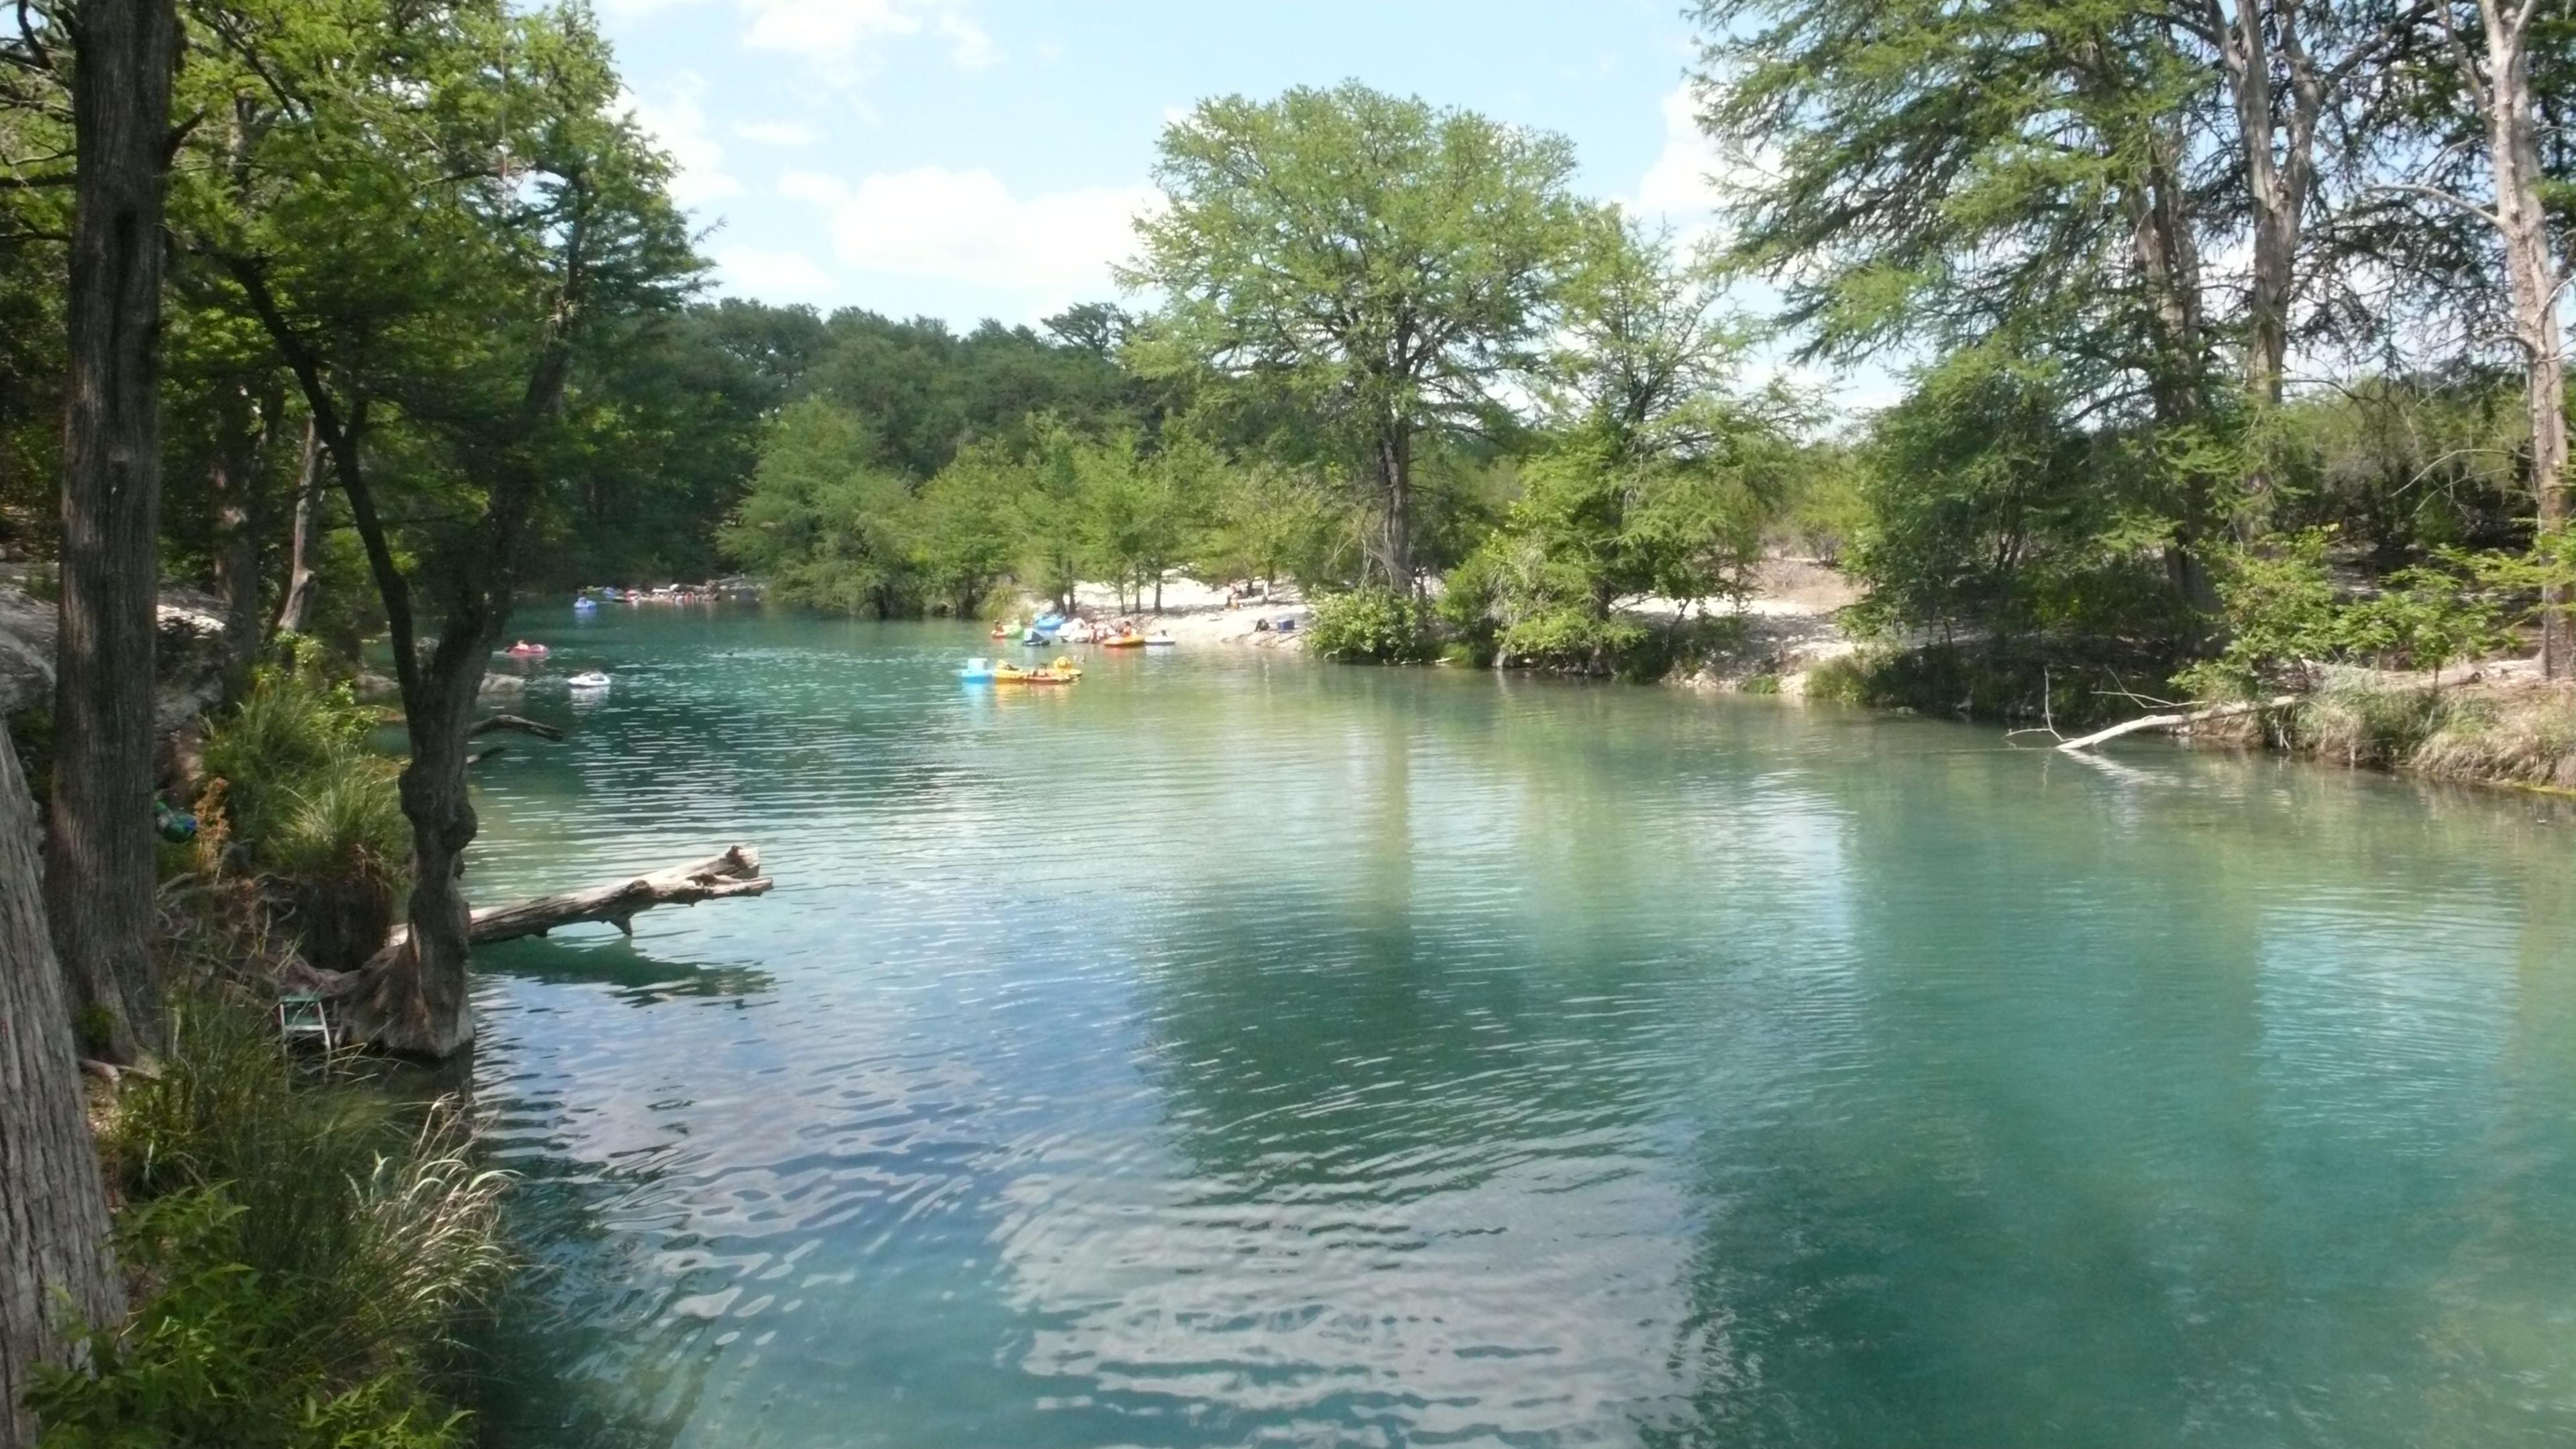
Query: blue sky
point(974, 158)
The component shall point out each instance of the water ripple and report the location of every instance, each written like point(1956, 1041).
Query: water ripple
point(1236, 1051)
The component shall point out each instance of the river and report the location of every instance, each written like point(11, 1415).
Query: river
point(1234, 1049)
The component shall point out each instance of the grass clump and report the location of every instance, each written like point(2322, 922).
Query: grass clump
point(302, 1253)
point(2360, 722)
point(2527, 740)
point(1843, 679)
point(297, 798)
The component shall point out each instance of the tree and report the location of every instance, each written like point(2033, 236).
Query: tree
point(2028, 173)
point(98, 835)
point(1643, 337)
point(1385, 263)
point(55, 1275)
point(963, 535)
point(824, 521)
point(1268, 522)
point(2491, 48)
point(1052, 511)
point(1660, 475)
point(486, 216)
point(2289, 67)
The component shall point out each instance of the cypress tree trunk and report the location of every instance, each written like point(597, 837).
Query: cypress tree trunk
point(1395, 485)
point(53, 1215)
point(243, 429)
point(304, 553)
point(413, 998)
point(2532, 271)
point(98, 881)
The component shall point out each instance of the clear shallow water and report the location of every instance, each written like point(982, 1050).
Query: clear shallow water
point(1236, 1050)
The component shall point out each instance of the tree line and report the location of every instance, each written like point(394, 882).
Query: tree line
point(2180, 290)
point(1394, 343)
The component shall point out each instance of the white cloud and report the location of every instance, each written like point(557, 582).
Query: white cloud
point(1676, 184)
point(678, 124)
point(841, 36)
point(966, 227)
point(812, 186)
point(774, 276)
point(776, 133)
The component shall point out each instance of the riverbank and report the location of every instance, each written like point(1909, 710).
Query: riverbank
point(1194, 613)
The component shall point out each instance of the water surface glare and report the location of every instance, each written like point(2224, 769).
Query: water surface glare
point(1237, 1050)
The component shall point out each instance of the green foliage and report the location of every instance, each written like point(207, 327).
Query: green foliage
point(306, 805)
point(1271, 522)
point(1826, 510)
point(1843, 679)
point(823, 521)
point(1369, 262)
point(1574, 638)
point(2401, 466)
point(1372, 626)
point(829, 526)
point(1989, 513)
point(2279, 608)
point(305, 1253)
point(2286, 620)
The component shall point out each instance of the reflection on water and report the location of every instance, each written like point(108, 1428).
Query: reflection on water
point(1234, 1050)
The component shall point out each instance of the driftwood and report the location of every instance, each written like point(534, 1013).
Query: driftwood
point(734, 873)
point(2180, 721)
point(357, 999)
point(514, 722)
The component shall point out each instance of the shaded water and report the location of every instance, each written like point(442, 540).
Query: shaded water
point(1232, 1049)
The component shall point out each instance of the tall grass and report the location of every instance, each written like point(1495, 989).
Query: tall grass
point(305, 805)
point(2522, 737)
point(305, 1251)
point(2357, 721)
point(2529, 740)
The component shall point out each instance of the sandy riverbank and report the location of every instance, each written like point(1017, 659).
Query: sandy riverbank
point(1195, 614)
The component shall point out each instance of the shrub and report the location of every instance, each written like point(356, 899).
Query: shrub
point(304, 803)
point(1372, 626)
point(1843, 679)
point(1572, 638)
point(306, 1253)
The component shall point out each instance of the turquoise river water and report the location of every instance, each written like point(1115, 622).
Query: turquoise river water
point(1233, 1049)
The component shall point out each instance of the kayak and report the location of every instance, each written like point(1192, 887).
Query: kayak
point(588, 679)
point(1124, 641)
point(1160, 641)
point(585, 606)
point(1062, 671)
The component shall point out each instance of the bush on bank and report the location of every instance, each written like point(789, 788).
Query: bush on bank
point(304, 806)
point(1372, 626)
point(301, 1253)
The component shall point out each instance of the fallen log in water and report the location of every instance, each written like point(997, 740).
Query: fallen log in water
point(518, 723)
point(734, 873)
point(366, 1003)
point(2180, 721)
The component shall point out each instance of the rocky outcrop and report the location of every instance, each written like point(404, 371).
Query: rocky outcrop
point(191, 653)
